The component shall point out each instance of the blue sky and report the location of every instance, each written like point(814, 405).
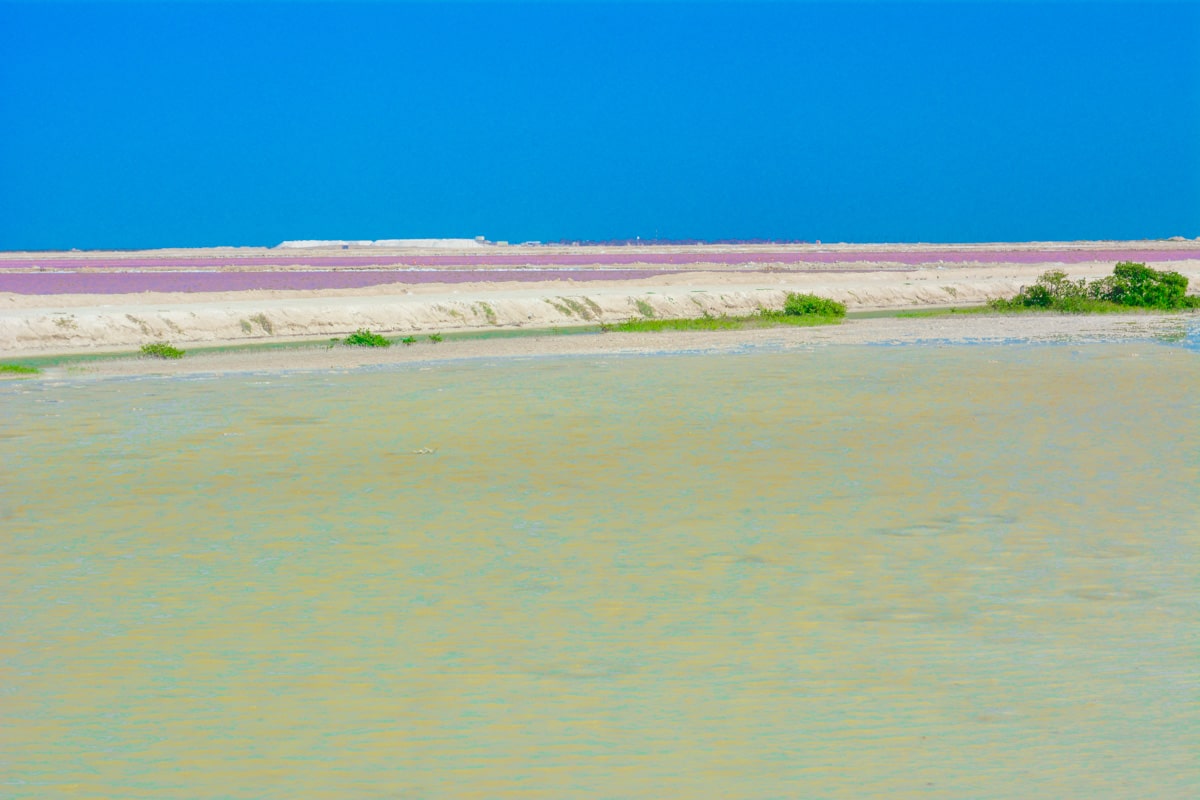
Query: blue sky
point(188, 124)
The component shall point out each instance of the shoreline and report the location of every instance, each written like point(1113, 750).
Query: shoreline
point(945, 330)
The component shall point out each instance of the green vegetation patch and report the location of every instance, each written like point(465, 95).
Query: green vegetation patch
point(364, 338)
point(810, 305)
point(18, 369)
point(707, 323)
point(1131, 285)
point(489, 313)
point(161, 350)
point(588, 309)
point(577, 308)
point(798, 309)
point(645, 309)
point(263, 322)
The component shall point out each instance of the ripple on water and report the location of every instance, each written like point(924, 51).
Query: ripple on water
point(1113, 551)
point(290, 419)
point(952, 525)
point(917, 530)
point(898, 614)
point(584, 670)
point(996, 715)
point(1109, 594)
point(737, 558)
point(984, 520)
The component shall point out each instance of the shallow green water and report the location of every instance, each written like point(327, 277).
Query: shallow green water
point(879, 572)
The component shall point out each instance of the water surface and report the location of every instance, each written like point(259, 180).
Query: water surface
point(888, 572)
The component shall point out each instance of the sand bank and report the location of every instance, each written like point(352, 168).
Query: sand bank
point(504, 288)
point(954, 329)
point(50, 324)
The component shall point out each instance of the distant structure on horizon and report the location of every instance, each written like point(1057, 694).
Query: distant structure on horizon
point(481, 241)
point(346, 244)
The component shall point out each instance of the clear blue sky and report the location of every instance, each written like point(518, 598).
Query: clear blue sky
point(156, 124)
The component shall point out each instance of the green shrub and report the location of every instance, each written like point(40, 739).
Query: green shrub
point(408, 340)
point(161, 350)
point(364, 338)
point(435, 337)
point(1054, 291)
point(1130, 286)
point(806, 305)
point(1055, 287)
point(1134, 284)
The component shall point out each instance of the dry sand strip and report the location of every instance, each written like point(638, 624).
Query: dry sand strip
point(32, 325)
point(959, 329)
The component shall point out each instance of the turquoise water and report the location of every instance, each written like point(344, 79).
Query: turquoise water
point(925, 571)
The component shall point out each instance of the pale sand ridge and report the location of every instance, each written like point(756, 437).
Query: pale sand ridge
point(54, 324)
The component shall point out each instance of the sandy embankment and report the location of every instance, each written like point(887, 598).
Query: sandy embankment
point(53, 324)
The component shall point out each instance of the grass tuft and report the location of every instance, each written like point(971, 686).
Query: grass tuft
point(577, 308)
point(18, 369)
point(435, 337)
point(683, 324)
point(364, 338)
point(489, 313)
point(263, 322)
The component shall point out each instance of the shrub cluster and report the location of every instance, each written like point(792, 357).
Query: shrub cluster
point(810, 305)
point(1130, 286)
point(1138, 285)
point(364, 338)
point(161, 350)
